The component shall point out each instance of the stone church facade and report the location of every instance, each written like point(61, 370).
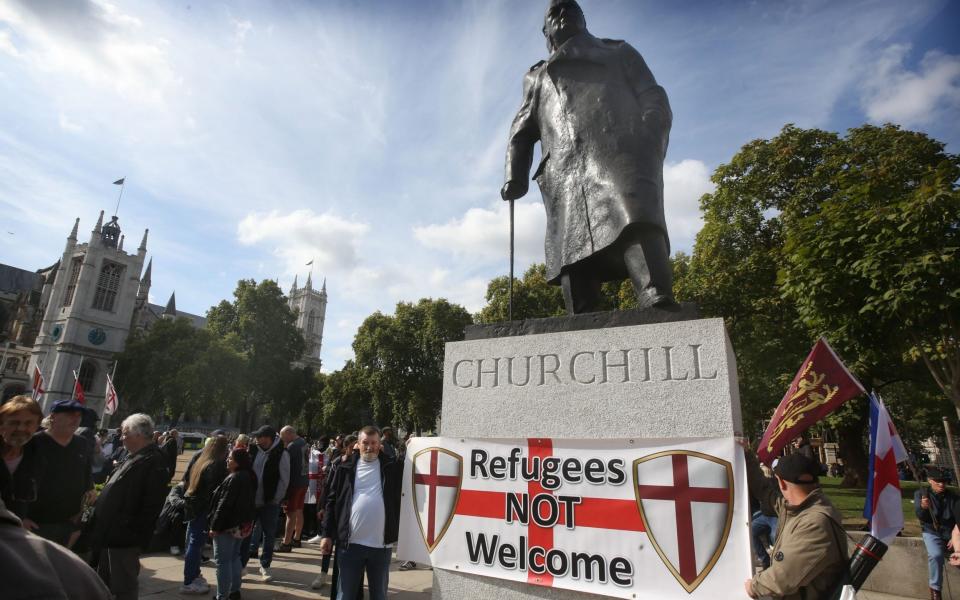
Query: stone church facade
point(76, 314)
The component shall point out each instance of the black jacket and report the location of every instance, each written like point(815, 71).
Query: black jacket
point(339, 500)
point(128, 506)
point(19, 489)
point(199, 502)
point(941, 510)
point(234, 502)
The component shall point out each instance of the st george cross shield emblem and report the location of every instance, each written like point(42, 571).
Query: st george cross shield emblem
point(686, 503)
point(437, 474)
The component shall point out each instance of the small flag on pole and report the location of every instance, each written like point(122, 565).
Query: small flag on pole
point(309, 263)
point(38, 384)
point(111, 401)
point(819, 388)
point(119, 181)
point(78, 394)
point(883, 506)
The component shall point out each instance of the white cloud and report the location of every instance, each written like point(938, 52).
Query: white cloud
point(482, 235)
point(893, 93)
point(302, 235)
point(69, 126)
point(6, 44)
point(683, 185)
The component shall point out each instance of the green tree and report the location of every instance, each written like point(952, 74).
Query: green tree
point(881, 251)
point(401, 359)
point(345, 401)
point(763, 262)
point(175, 369)
point(261, 326)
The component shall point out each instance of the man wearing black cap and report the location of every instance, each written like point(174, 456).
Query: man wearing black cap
point(271, 463)
point(810, 553)
point(64, 474)
point(934, 508)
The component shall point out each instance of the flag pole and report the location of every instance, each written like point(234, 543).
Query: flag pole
point(104, 417)
point(952, 449)
point(76, 379)
point(123, 182)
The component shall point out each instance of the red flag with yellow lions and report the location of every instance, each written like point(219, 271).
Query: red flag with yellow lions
point(819, 388)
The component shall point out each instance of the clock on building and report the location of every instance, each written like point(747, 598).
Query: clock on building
point(97, 336)
point(56, 332)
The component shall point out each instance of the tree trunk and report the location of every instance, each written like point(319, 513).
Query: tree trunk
point(853, 453)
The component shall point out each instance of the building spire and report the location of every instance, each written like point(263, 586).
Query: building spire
point(309, 285)
point(143, 244)
point(146, 274)
point(76, 226)
point(120, 247)
point(293, 287)
point(99, 225)
point(171, 309)
point(323, 290)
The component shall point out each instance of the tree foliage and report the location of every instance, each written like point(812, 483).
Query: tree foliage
point(400, 357)
point(806, 235)
point(174, 369)
point(260, 325)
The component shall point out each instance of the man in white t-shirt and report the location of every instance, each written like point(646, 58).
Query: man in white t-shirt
point(363, 515)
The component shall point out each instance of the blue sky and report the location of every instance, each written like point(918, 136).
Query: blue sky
point(369, 136)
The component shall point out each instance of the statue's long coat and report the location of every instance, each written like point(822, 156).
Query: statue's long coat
point(603, 124)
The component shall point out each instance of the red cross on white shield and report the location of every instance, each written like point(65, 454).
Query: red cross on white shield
point(437, 475)
point(686, 503)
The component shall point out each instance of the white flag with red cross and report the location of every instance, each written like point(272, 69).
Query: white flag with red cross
point(645, 519)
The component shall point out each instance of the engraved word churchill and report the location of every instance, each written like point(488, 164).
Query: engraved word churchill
point(584, 367)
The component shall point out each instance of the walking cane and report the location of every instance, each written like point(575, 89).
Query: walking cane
point(510, 305)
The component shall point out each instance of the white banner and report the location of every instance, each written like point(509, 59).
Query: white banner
point(638, 519)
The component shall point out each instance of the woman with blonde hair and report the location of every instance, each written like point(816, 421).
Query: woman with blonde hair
point(202, 479)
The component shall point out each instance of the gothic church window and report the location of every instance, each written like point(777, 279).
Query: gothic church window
point(312, 322)
point(13, 364)
point(88, 371)
point(72, 281)
point(107, 286)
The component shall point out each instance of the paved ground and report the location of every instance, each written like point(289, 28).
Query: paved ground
point(162, 575)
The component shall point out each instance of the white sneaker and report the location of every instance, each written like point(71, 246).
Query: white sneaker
point(194, 588)
point(314, 540)
point(320, 581)
point(175, 550)
point(265, 575)
point(202, 583)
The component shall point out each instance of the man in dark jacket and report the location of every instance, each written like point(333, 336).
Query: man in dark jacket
point(271, 465)
point(603, 124)
point(934, 508)
point(127, 508)
point(363, 515)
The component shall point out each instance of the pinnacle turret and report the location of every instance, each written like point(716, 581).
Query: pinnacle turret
point(143, 244)
point(171, 309)
point(120, 247)
point(76, 227)
point(146, 274)
point(293, 287)
point(309, 285)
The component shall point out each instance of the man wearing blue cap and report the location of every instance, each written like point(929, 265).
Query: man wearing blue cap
point(64, 475)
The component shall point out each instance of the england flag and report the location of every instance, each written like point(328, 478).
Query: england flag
point(883, 505)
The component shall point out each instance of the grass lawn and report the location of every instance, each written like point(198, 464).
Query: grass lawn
point(850, 503)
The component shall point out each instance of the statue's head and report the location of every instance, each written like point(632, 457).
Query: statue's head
point(564, 19)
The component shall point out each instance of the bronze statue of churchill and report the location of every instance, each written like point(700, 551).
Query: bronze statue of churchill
point(603, 124)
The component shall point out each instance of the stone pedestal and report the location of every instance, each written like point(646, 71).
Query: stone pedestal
point(663, 380)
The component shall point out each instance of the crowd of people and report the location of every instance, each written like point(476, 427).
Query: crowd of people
point(89, 503)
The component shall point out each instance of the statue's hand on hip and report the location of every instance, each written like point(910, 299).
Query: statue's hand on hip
point(513, 190)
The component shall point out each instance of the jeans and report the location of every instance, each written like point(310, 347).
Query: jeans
point(196, 539)
point(353, 559)
point(760, 526)
point(265, 529)
point(935, 552)
point(226, 553)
